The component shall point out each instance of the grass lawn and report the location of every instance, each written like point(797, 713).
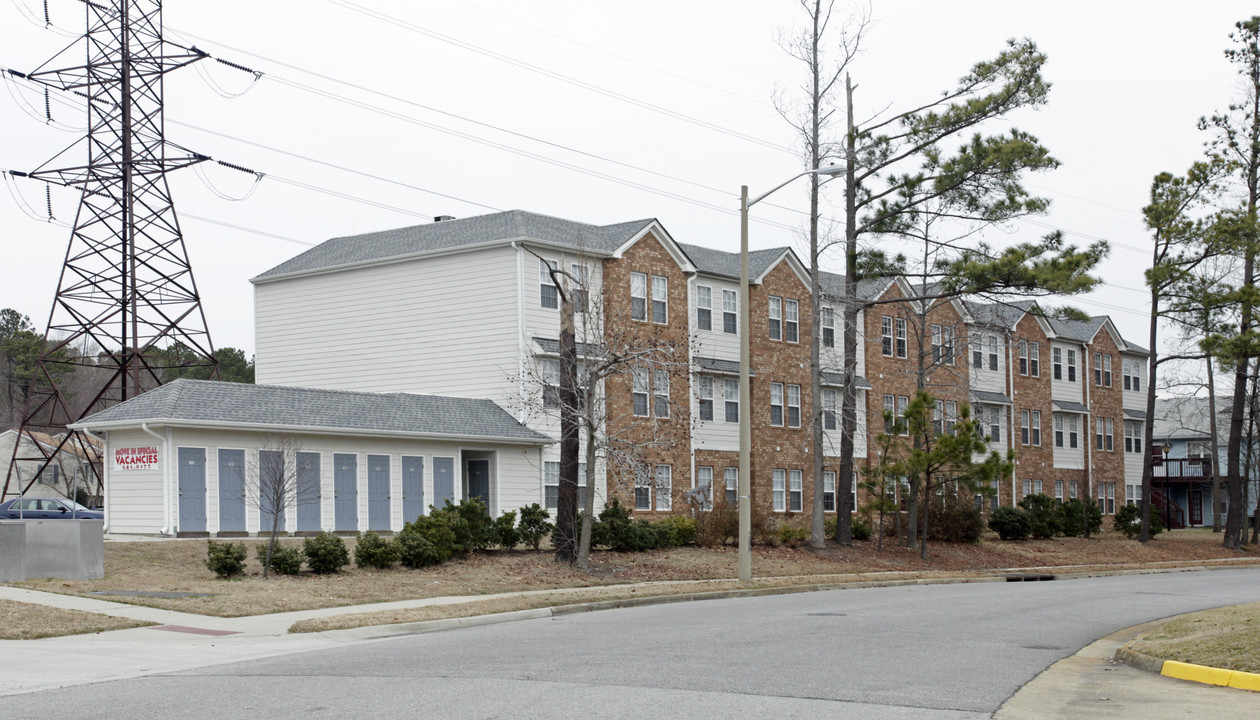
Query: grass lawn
point(178, 566)
point(25, 621)
point(1224, 638)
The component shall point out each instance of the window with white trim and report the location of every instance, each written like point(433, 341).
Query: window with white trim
point(1027, 487)
point(551, 485)
point(776, 404)
point(1072, 434)
point(704, 307)
point(995, 424)
point(1107, 498)
point(853, 492)
point(1071, 365)
point(778, 489)
point(638, 296)
point(639, 391)
point(1034, 359)
point(1132, 494)
point(1037, 487)
point(730, 476)
point(704, 483)
point(993, 352)
point(886, 332)
point(660, 299)
point(1058, 490)
point(730, 312)
point(664, 487)
point(947, 345)
point(660, 393)
point(1098, 369)
point(1106, 370)
point(903, 406)
point(795, 491)
point(977, 351)
point(794, 406)
point(938, 417)
point(1132, 375)
point(1058, 430)
point(890, 414)
point(581, 284)
point(901, 337)
point(730, 399)
point(951, 416)
point(792, 321)
point(1025, 428)
point(1023, 357)
point(1036, 427)
point(1072, 490)
point(1132, 436)
point(643, 490)
point(828, 327)
point(936, 343)
point(1102, 437)
point(776, 318)
point(548, 295)
point(829, 491)
point(829, 409)
point(549, 374)
point(1056, 363)
point(704, 390)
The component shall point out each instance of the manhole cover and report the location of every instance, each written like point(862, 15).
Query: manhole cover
point(163, 594)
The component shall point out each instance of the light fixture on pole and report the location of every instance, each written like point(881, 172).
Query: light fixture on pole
point(745, 385)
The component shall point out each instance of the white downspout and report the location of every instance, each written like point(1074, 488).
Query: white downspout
point(521, 340)
point(166, 485)
point(1010, 420)
point(1090, 429)
point(104, 472)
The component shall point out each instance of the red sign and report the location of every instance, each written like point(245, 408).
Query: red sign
point(136, 458)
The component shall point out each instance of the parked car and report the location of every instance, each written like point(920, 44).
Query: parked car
point(47, 509)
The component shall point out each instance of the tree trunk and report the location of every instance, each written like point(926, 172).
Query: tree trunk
point(566, 504)
point(588, 506)
point(817, 532)
point(1216, 452)
point(848, 403)
point(1233, 474)
point(1148, 428)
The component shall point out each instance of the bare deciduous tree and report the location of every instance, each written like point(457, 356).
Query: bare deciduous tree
point(274, 483)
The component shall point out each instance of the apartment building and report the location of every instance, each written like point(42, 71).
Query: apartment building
point(469, 309)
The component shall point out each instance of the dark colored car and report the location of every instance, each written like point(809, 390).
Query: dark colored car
point(47, 509)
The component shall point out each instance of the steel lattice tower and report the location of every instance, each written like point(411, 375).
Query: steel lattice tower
point(127, 308)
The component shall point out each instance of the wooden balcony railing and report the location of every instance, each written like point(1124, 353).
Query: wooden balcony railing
point(1184, 469)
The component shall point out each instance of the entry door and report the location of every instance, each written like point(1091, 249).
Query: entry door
point(192, 490)
point(412, 487)
point(231, 491)
point(479, 481)
point(346, 492)
point(378, 492)
point(308, 494)
point(443, 480)
point(1196, 507)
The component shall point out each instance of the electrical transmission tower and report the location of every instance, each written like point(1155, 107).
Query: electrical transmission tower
point(127, 311)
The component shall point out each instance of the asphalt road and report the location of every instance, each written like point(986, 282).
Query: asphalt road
point(934, 651)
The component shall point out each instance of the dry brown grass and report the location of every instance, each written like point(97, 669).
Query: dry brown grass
point(179, 566)
point(25, 621)
point(1223, 638)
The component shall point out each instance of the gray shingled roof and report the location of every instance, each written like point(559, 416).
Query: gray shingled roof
point(1003, 315)
point(715, 365)
point(867, 289)
point(1069, 406)
point(213, 402)
point(1076, 329)
point(837, 380)
point(552, 346)
point(1135, 349)
point(504, 226)
point(1135, 414)
point(726, 264)
point(992, 398)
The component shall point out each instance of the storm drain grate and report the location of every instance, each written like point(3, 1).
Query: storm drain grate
point(1028, 577)
point(193, 630)
point(163, 594)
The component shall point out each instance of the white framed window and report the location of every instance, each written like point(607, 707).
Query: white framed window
point(1036, 427)
point(664, 487)
point(1023, 357)
point(548, 295)
point(639, 391)
point(730, 312)
point(936, 343)
point(1072, 490)
point(1104, 439)
point(704, 482)
point(776, 404)
point(951, 416)
point(828, 327)
point(1056, 363)
point(947, 345)
point(778, 489)
point(1025, 428)
point(829, 491)
point(581, 285)
point(1027, 487)
point(795, 491)
point(704, 307)
point(853, 491)
point(551, 485)
point(1058, 430)
point(903, 404)
point(792, 321)
point(549, 374)
point(901, 337)
point(938, 417)
point(1072, 434)
point(730, 476)
point(993, 352)
point(730, 398)
point(1132, 494)
point(643, 490)
point(660, 393)
point(977, 351)
point(1037, 487)
point(995, 424)
point(1132, 375)
point(704, 389)
point(886, 331)
point(1098, 369)
point(1034, 359)
point(890, 413)
point(776, 318)
point(829, 409)
point(638, 296)
point(1071, 365)
point(660, 299)
point(1058, 490)
point(1106, 370)
point(794, 406)
point(1132, 436)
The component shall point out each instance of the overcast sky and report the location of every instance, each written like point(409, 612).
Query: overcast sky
point(599, 112)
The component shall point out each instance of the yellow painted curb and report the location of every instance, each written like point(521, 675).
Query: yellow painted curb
point(1211, 675)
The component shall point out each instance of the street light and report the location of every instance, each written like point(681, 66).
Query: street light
point(1167, 498)
point(745, 385)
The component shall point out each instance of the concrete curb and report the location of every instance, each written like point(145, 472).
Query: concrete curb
point(1188, 671)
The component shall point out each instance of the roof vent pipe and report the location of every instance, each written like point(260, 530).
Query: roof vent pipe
point(440, 218)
